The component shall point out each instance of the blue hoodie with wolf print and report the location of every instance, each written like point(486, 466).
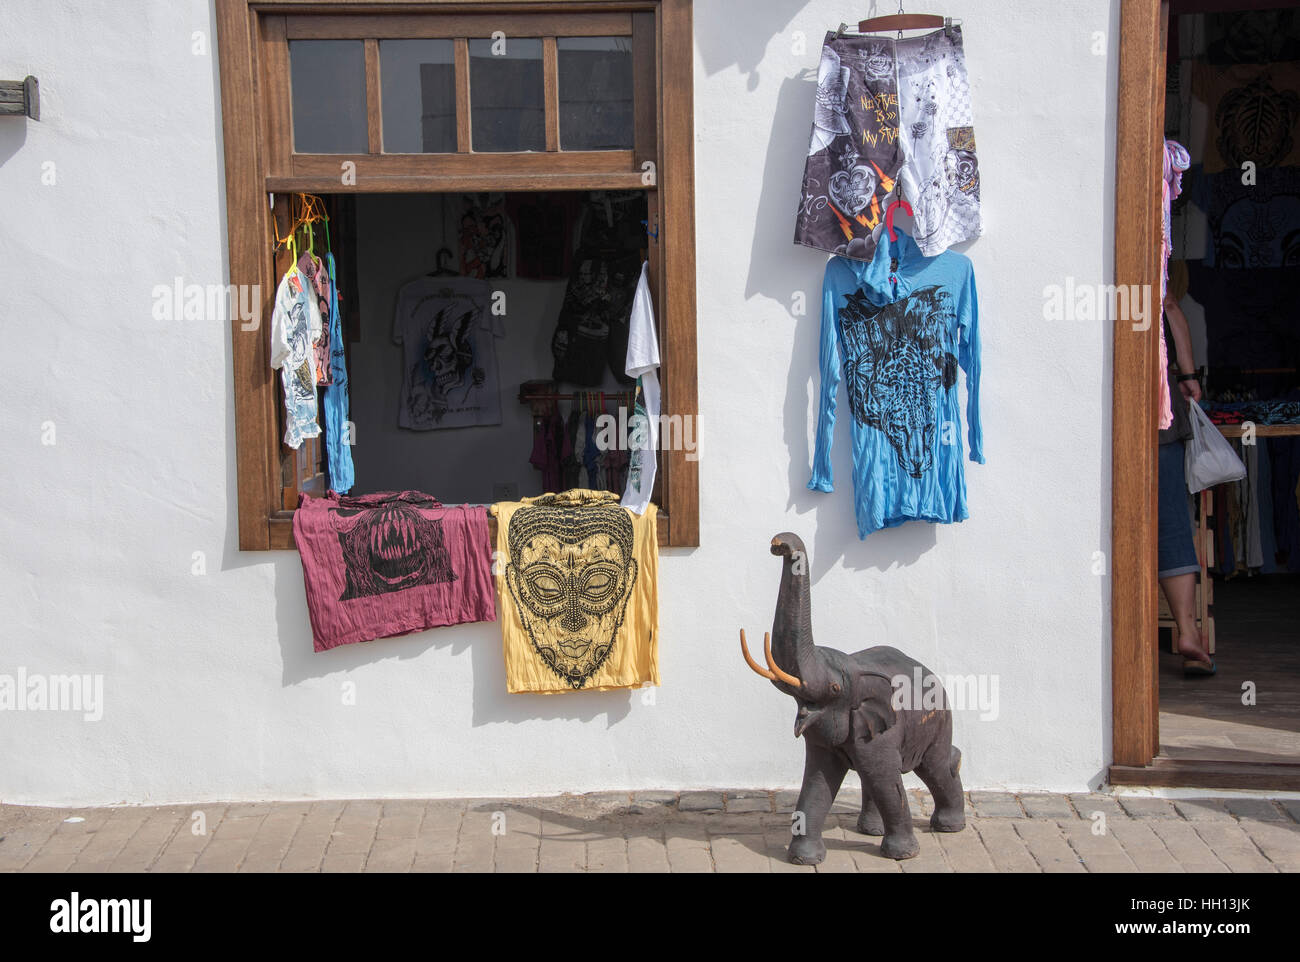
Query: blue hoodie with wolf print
point(897, 328)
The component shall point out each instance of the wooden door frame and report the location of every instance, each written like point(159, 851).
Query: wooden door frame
point(1135, 734)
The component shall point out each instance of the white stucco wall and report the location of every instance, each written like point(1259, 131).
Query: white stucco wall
point(212, 690)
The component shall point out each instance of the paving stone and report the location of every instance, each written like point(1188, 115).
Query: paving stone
point(1144, 846)
point(741, 802)
point(1139, 807)
point(1047, 845)
point(400, 826)
point(562, 855)
point(1258, 809)
point(965, 851)
point(1233, 847)
point(1186, 847)
point(1292, 807)
point(391, 855)
point(737, 854)
point(1005, 847)
point(930, 858)
point(700, 802)
point(353, 833)
point(607, 855)
point(1279, 842)
point(688, 854)
point(241, 828)
point(996, 805)
point(646, 853)
point(1087, 805)
point(221, 856)
point(404, 807)
point(1047, 806)
point(1098, 850)
point(651, 803)
point(1202, 809)
point(868, 859)
point(349, 862)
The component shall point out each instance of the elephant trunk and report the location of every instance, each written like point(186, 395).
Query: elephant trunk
point(792, 640)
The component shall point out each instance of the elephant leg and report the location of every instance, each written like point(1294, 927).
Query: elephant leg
point(823, 771)
point(869, 820)
point(886, 786)
point(939, 770)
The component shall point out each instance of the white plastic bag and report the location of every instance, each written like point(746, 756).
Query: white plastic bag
point(1208, 457)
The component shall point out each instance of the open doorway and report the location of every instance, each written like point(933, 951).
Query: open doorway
point(1233, 101)
point(1179, 66)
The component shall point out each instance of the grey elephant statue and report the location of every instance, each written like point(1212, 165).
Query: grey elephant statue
point(850, 716)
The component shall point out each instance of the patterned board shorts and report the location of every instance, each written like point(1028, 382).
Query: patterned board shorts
point(890, 114)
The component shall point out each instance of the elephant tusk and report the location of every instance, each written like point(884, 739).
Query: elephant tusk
point(744, 650)
point(776, 669)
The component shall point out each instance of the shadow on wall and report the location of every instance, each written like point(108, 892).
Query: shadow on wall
point(301, 662)
point(13, 134)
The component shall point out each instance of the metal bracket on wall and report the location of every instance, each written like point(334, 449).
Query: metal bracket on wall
point(20, 98)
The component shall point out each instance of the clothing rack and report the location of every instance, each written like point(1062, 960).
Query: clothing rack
point(542, 395)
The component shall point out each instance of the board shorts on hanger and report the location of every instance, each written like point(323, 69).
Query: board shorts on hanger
point(888, 111)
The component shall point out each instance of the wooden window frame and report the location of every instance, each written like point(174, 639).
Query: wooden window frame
point(252, 48)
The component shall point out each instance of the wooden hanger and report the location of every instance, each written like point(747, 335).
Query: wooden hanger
point(904, 21)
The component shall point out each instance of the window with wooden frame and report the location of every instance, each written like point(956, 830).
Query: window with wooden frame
point(273, 147)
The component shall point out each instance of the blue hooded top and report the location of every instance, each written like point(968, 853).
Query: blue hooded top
point(897, 328)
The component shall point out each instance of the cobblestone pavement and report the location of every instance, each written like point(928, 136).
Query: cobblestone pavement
point(650, 832)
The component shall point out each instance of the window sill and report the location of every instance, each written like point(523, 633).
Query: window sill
point(280, 528)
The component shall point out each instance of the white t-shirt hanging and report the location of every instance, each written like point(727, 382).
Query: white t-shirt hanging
point(449, 357)
point(643, 427)
point(295, 325)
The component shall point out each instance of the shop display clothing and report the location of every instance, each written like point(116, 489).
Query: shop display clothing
point(578, 592)
point(320, 285)
point(449, 374)
point(591, 333)
point(544, 229)
point(391, 563)
point(484, 234)
point(1252, 225)
point(295, 327)
point(1254, 114)
point(890, 111)
point(642, 364)
point(940, 174)
point(899, 337)
point(335, 400)
point(1175, 160)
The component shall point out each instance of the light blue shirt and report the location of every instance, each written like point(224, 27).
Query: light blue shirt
point(342, 475)
point(898, 332)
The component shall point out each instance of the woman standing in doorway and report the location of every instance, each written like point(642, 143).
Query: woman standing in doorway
point(1177, 562)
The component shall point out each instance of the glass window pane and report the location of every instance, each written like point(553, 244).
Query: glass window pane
point(507, 110)
point(329, 96)
point(418, 85)
point(595, 92)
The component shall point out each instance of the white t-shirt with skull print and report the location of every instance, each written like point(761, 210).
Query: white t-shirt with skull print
point(449, 362)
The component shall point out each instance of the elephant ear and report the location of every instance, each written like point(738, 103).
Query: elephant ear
point(873, 710)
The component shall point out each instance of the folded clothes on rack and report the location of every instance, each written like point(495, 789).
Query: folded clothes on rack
point(1258, 412)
